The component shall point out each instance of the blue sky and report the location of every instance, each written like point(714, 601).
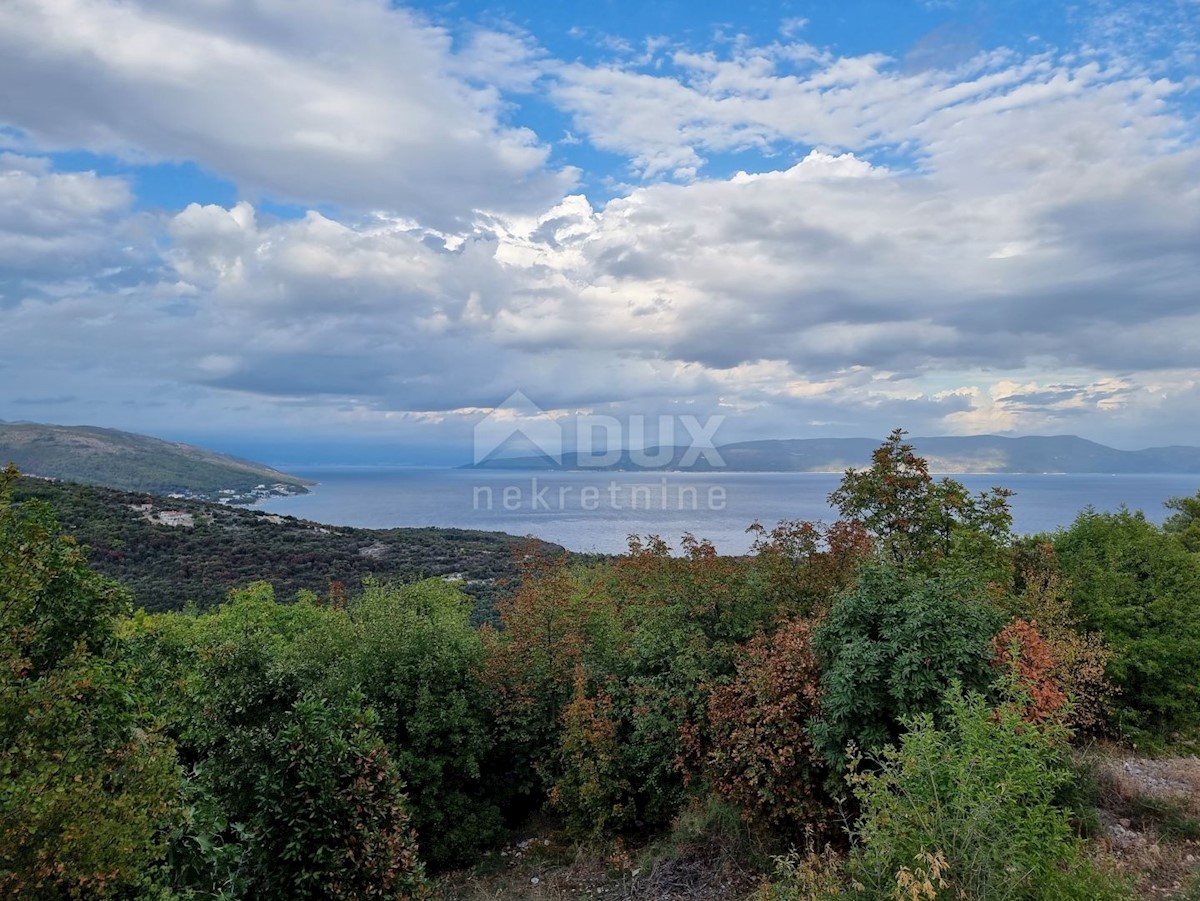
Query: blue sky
point(354, 227)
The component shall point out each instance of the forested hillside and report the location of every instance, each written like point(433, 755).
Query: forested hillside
point(125, 460)
point(170, 552)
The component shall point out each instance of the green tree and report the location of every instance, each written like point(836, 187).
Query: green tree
point(88, 787)
point(891, 647)
point(414, 654)
point(921, 522)
point(1138, 585)
point(1185, 522)
point(283, 752)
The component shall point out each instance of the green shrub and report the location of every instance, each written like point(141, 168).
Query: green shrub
point(969, 810)
point(415, 656)
point(1138, 585)
point(328, 818)
point(890, 648)
point(594, 792)
point(88, 786)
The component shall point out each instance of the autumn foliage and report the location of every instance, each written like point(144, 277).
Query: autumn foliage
point(756, 751)
point(1025, 656)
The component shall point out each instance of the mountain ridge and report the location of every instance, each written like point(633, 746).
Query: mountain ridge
point(952, 454)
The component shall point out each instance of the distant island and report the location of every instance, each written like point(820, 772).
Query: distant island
point(946, 454)
point(131, 462)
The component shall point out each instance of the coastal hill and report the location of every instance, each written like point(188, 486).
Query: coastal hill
point(946, 454)
point(132, 462)
point(171, 551)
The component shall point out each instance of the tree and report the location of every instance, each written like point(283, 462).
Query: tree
point(416, 658)
point(891, 647)
point(919, 522)
point(88, 786)
point(283, 756)
point(1138, 585)
point(1185, 522)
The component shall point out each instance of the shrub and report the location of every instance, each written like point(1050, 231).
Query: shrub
point(1080, 658)
point(810, 875)
point(1138, 585)
point(529, 671)
point(1030, 666)
point(890, 648)
point(758, 754)
point(328, 817)
point(968, 810)
point(88, 786)
point(412, 651)
point(593, 792)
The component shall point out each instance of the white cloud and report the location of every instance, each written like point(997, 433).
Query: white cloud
point(358, 104)
point(1010, 245)
point(64, 230)
point(775, 97)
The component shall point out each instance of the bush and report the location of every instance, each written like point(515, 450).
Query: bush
point(529, 671)
point(290, 789)
point(412, 651)
point(758, 754)
point(890, 648)
point(88, 786)
point(593, 793)
point(1080, 658)
point(1025, 657)
point(1138, 585)
point(328, 818)
point(969, 811)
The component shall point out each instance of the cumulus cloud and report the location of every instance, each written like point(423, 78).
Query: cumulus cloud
point(359, 104)
point(1008, 244)
point(66, 231)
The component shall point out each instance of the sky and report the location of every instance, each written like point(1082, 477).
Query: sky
point(319, 231)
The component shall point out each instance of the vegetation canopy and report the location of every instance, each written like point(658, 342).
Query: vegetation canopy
point(912, 671)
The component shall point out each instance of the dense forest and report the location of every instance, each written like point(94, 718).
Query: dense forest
point(214, 548)
point(902, 704)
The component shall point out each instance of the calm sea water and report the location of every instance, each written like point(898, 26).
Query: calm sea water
point(598, 511)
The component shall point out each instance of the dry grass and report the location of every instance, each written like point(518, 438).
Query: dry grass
point(1150, 811)
point(543, 865)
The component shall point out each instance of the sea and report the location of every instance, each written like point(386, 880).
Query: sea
point(598, 511)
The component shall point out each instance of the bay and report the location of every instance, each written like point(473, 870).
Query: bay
point(597, 512)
